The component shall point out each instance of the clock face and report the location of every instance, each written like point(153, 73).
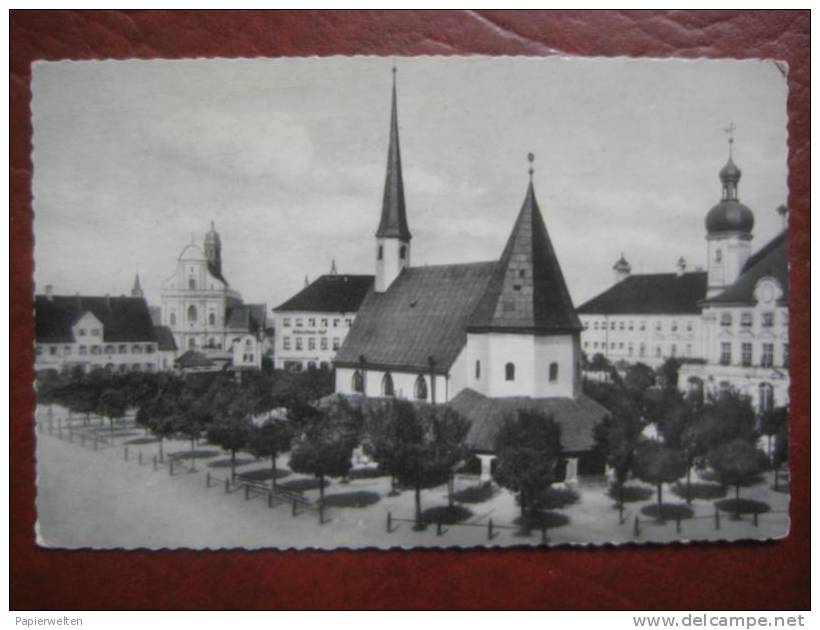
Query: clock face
point(767, 292)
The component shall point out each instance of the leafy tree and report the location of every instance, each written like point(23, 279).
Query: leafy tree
point(639, 377)
point(231, 429)
point(381, 440)
point(600, 363)
point(159, 413)
point(668, 373)
point(657, 464)
point(81, 397)
point(269, 439)
point(617, 437)
point(50, 387)
point(737, 462)
point(771, 422)
point(191, 419)
point(325, 447)
point(112, 405)
point(528, 456)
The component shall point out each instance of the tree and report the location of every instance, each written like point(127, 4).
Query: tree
point(49, 385)
point(616, 438)
point(325, 447)
point(737, 462)
point(528, 455)
point(191, 419)
point(112, 404)
point(232, 428)
point(668, 373)
point(639, 377)
point(657, 464)
point(770, 423)
point(158, 414)
point(270, 439)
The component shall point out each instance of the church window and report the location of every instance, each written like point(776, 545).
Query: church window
point(191, 283)
point(718, 255)
point(348, 322)
point(298, 343)
point(522, 273)
point(725, 353)
point(611, 345)
point(621, 345)
point(248, 343)
point(420, 388)
point(380, 255)
point(387, 385)
point(767, 356)
point(689, 326)
point(630, 325)
point(746, 319)
point(323, 343)
point(52, 350)
point(688, 349)
point(286, 343)
point(725, 319)
point(95, 332)
point(784, 317)
point(553, 372)
point(311, 365)
point(149, 348)
point(478, 370)
point(620, 325)
point(629, 349)
point(172, 319)
point(612, 326)
point(192, 314)
point(767, 319)
point(136, 367)
point(402, 252)
point(509, 372)
point(765, 397)
point(358, 382)
point(336, 323)
point(212, 319)
point(67, 351)
point(746, 354)
point(658, 325)
point(594, 344)
point(298, 322)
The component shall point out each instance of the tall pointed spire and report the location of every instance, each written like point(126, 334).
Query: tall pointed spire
point(393, 223)
point(527, 292)
point(136, 290)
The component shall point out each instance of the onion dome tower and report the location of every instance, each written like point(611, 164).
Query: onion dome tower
point(621, 269)
point(728, 229)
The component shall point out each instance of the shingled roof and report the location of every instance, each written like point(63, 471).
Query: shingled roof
point(527, 292)
point(330, 294)
point(577, 417)
point(123, 318)
point(423, 314)
point(651, 294)
point(771, 260)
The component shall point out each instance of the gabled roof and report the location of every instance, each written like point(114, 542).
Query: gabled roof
point(527, 291)
point(123, 318)
point(577, 417)
point(771, 260)
point(423, 314)
point(393, 221)
point(246, 318)
point(330, 294)
point(165, 339)
point(651, 294)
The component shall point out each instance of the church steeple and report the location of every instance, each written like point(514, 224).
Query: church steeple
point(136, 291)
point(393, 235)
point(213, 251)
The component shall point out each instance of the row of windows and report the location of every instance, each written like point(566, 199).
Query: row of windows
point(123, 348)
point(311, 322)
point(193, 316)
point(766, 357)
point(311, 343)
point(747, 319)
point(630, 325)
point(94, 332)
point(765, 393)
point(630, 348)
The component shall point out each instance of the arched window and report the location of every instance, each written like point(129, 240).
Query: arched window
point(192, 313)
point(553, 372)
point(172, 319)
point(212, 319)
point(765, 397)
point(387, 385)
point(478, 370)
point(358, 382)
point(403, 252)
point(191, 283)
point(380, 255)
point(509, 372)
point(421, 388)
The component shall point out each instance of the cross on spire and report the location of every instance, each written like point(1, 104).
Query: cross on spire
point(730, 131)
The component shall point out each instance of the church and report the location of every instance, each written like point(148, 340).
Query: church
point(486, 338)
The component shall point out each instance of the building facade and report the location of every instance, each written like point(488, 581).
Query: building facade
point(312, 325)
point(205, 314)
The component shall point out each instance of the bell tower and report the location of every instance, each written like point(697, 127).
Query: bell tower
point(213, 251)
point(393, 236)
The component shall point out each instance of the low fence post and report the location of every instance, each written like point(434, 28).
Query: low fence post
point(207, 478)
point(389, 522)
point(293, 511)
point(637, 529)
point(717, 518)
point(247, 492)
point(677, 523)
point(438, 528)
point(490, 529)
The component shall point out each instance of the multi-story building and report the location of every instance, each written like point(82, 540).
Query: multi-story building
point(312, 325)
point(205, 314)
point(113, 333)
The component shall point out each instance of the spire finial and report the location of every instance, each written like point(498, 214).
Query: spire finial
point(531, 159)
point(213, 229)
point(730, 131)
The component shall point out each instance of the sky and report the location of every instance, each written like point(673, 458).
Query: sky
point(133, 159)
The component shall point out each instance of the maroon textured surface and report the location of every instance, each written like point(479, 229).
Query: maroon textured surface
point(773, 575)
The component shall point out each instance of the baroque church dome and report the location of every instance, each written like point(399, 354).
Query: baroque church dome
point(730, 215)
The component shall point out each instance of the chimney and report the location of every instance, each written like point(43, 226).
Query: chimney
point(681, 266)
point(49, 292)
point(783, 211)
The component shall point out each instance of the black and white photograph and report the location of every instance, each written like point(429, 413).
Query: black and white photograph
point(406, 302)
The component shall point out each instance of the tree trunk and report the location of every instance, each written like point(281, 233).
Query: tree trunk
point(621, 493)
point(322, 489)
point(450, 489)
point(233, 465)
point(737, 500)
point(689, 484)
point(192, 454)
point(273, 471)
point(769, 447)
point(418, 504)
point(776, 479)
point(523, 501)
point(660, 501)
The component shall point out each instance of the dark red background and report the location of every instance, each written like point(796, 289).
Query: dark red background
point(773, 575)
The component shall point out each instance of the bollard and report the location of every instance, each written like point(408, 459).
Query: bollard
point(717, 518)
point(126, 453)
point(544, 540)
point(754, 518)
point(227, 486)
point(677, 523)
point(293, 508)
point(637, 529)
point(247, 492)
point(438, 528)
point(207, 478)
point(270, 500)
point(155, 462)
point(389, 523)
point(490, 529)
